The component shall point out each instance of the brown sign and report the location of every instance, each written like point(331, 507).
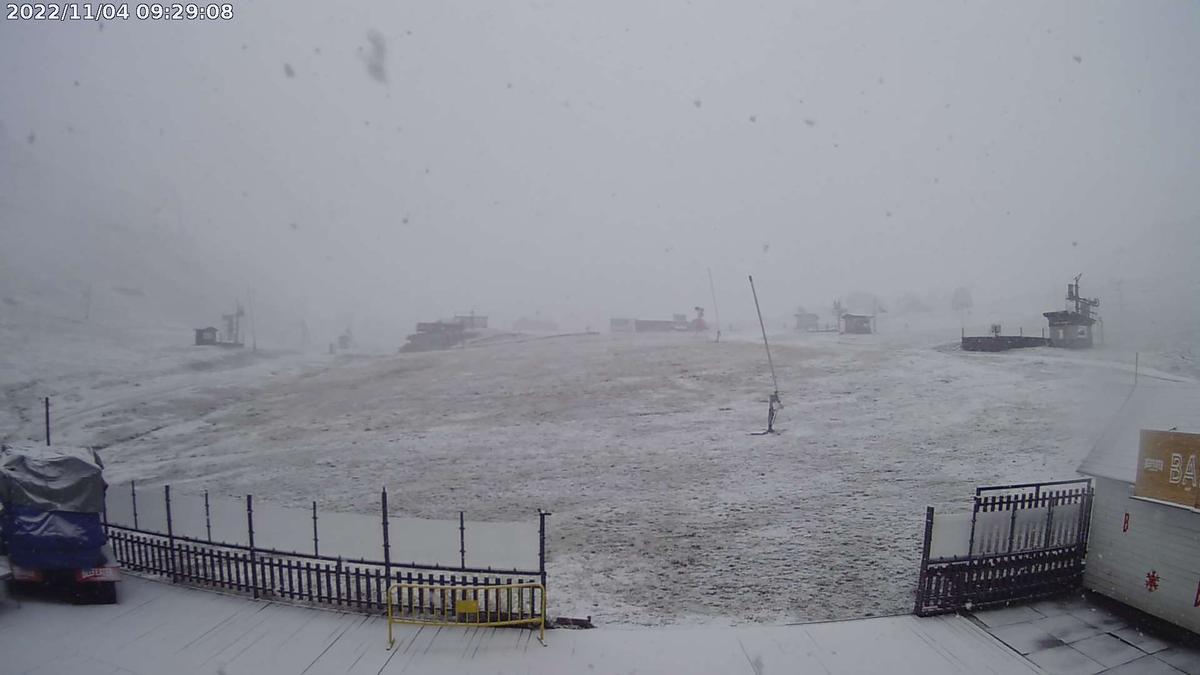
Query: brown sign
point(1168, 463)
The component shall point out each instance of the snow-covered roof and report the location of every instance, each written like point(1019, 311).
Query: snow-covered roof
point(1159, 406)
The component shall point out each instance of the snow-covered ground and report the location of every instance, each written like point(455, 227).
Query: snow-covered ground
point(666, 509)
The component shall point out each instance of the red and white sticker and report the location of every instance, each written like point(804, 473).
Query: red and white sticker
point(97, 574)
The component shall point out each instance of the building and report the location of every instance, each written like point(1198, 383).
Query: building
point(677, 323)
point(1144, 541)
point(232, 336)
point(807, 321)
point(860, 324)
point(206, 336)
point(659, 325)
point(1072, 327)
point(436, 335)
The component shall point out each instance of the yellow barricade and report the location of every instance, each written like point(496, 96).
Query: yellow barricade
point(467, 605)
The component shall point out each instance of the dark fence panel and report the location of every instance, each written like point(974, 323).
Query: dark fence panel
point(355, 584)
point(1017, 549)
point(359, 585)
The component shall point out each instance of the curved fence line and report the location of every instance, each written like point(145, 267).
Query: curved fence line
point(358, 583)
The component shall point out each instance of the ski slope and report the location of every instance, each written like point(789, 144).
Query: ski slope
point(666, 509)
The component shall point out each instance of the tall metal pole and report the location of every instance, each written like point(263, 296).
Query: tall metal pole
point(207, 518)
point(387, 546)
point(542, 546)
point(764, 334)
point(316, 550)
point(462, 541)
point(717, 312)
point(170, 533)
point(250, 536)
point(47, 420)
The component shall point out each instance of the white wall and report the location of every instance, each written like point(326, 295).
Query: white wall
point(1161, 538)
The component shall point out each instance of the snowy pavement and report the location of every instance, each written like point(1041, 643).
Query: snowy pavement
point(1085, 635)
point(666, 510)
point(183, 631)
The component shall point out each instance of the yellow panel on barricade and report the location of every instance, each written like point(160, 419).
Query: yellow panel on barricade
point(485, 605)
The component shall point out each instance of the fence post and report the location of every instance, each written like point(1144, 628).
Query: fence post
point(387, 546)
point(316, 548)
point(1012, 523)
point(250, 532)
point(1087, 513)
point(924, 560)
point(207, 518)
point(542, 546)
point(971, 541)
point(170, 534)
point(133, 498)
point(1049, 520)
point(462, 541)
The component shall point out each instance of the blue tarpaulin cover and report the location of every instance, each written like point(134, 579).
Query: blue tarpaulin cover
point(49, 540)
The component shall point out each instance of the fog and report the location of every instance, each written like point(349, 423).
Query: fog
point(375, 164)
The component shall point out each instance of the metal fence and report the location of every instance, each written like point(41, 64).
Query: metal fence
point(519, 604)
point(356, 583)
point(1019, 542)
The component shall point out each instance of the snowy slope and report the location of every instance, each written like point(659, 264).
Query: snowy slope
point(665, 508)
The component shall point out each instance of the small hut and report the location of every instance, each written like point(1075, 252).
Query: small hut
point(1072, 328)
point(807, 320)
point(206, 336)
point(858, 324)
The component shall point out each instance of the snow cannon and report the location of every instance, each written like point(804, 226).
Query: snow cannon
point(51, 500)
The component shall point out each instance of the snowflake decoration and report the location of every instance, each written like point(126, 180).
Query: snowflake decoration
point(1152, 581)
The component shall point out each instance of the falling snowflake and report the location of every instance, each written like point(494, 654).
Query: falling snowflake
point(1152, 581)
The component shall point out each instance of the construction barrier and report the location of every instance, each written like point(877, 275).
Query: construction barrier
point(484, 605)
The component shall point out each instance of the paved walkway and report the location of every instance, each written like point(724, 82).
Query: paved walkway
point(162, 628)
point(1076, 636)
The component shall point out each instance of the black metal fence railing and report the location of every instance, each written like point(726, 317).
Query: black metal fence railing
point(346, 582)
point(1024, 541)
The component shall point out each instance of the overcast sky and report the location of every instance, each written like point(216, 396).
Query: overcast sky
point(382, 162)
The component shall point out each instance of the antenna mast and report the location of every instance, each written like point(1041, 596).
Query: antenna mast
point(716, 311)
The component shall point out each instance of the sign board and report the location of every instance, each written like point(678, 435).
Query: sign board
point(1168, 462)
